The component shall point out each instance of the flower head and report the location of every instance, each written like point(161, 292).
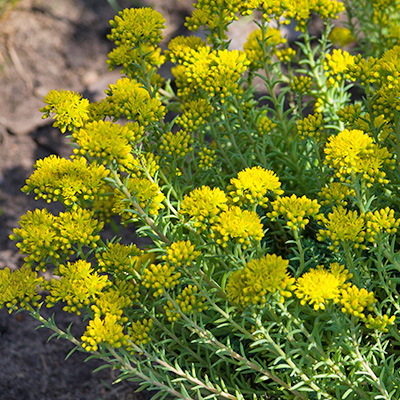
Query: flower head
point(336, 64)
point(77, 287)
point(320, 285)
point(203, 205)
point(353, 152)
point(354, 301)
point(133, 26)
point(252, 185)
point(104, 331)
point(181, 252)
point(381, 221)
point(258, 278)
point(301, 84)
point(195, 113)
point(310, 126)
point(341, 36)
point(139, 331)
point(296, 210)
point(19, 288)
point(59, 179)
point(343, 227)
point(70, 109)
point(237, 226)
point(159, 277)
point(265, 125)
point(177, 144)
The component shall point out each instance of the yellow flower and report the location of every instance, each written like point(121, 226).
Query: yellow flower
point(343, 227)
point(77, 287)
point(19, 288)
point(111, 302)
point(37, 237)
point(203, 205)
point(188, 301)
point(59, 179)
point(381, 221)
point(349, 114)
point(139, 331)
point(341, 36)
point(119, 259)
point(335, 194)
point(265, 126)
point(253, 49)
point(310, 126)
point(379, 322)
point(301, 84)
point(296, 210)
point(237, 225)
point(159, 277)
point(195, 113)
point(133, 26)
point(336, 64)
point(258, 278)
point(177, 144)
point(207, 158)
point(71, 111)
point(78, 227)
point(319, 285)
point(127, 98)
point(104, 331)
point(106, 141)
point(179, 46)
point(147, 194)
point(181, 253)
point(354, 301)
point(252, 185)
point(353, 152)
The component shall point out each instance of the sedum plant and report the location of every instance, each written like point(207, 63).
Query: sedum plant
point(268, 182)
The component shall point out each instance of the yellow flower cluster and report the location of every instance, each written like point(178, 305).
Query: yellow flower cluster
point(107, 141)
point(213, 15)
point(181, 253)
point(139, 331)
point(310, 126)
point(237, 226)
point(379, 322)
point(353, 152)
point(19, 288)
point(285, 55)
point(195, 113)
point(177, 144)
point(119, 259)
point(144, 164)
point(203, 205)
point(341, 36)
point(350, 113)
point(179, 46)
point(335, 194)
point(107, 331)
point(301, 84)
point(380, 222)
point(59, 179)
point(320, 285)
point(265, 126)
point(253, 185)
point(300, 10)
point(111, 302)
point(188, 302)
point(336, 64)
point(129, 99)
point(207, 158)
point(147, 194)
point(254, 50)
point(343, 227)
point(211, 72)
point(260, 277)
point(70, 109)
point(43, 236)
point(296, 210)
point(77, 286)
point(159, 277)
point(133, 26)
point(354, 301)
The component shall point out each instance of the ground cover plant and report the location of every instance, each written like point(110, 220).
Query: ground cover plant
point(274, 262)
